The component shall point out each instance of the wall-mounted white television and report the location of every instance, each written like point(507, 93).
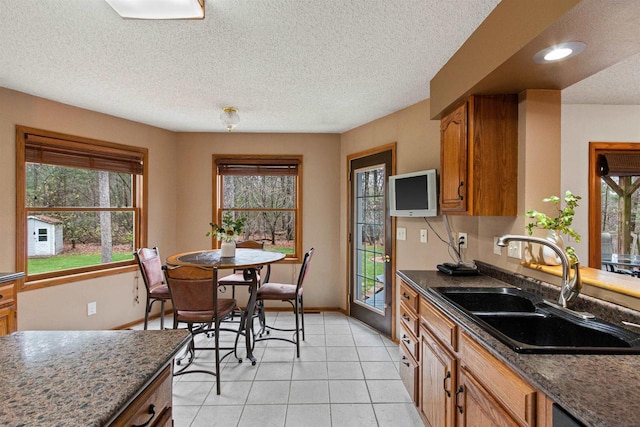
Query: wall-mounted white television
point(414, 194)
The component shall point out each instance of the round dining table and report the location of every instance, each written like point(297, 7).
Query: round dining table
point(245, 259)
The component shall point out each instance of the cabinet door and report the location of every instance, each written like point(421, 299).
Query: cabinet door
point(454, 161)
point(437, 382)
point(7, 321)
point(475, 407)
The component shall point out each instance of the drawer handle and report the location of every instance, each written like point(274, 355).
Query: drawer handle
point(459, 391)
point(444, 383)
point(405, 296)
point(407, 364)
point(406, 340)
point(152, 412)
point(405, 317)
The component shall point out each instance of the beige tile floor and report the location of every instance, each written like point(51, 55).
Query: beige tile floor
point(347, 375)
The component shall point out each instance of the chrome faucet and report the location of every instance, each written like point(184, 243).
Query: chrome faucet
point(570, 287)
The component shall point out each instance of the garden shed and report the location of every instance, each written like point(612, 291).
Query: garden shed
point(45, 236)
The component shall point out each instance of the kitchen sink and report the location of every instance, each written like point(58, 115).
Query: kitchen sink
point(529, 324)
point(492, 299)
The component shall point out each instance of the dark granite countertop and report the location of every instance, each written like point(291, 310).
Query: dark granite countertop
point(7, 277)
point(79, 378)
point(599, 390)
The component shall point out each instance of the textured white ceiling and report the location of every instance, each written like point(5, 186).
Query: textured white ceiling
point(287, 65)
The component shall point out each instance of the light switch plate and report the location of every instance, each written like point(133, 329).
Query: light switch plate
point(514, 250)
point(423, 235)
point(401, 233)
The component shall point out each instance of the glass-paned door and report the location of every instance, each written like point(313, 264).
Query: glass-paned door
point(371, 290)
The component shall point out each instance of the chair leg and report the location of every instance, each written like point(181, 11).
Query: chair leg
point(295, 311)
point(217, 344)
point(302, 314)
point(146, 314)
point(162, 315)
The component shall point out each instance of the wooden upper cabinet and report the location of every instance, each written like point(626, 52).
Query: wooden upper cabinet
point(479, 157)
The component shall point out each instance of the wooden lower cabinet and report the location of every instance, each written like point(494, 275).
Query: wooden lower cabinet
point(475, 407)
point(152, 407)
point(7, 321)
point(437, 382)
point(462, 384)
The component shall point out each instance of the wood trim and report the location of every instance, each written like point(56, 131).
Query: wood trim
point(216, 212)
point(140, 203)
point(595, 203)
point(392, 146)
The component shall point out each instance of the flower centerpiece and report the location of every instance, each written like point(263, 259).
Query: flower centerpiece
point(558, 225)
point(228, 232)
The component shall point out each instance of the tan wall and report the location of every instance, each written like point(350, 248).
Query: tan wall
point(65, 306)
point(321, 198)
point(418, 148)
point(582, 124)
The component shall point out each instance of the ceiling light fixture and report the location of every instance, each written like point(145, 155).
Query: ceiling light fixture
point(158, 9)
point(559, 52)
point(230, 117)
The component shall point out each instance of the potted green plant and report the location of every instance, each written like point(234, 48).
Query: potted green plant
point(556, 226)
point(228, 232)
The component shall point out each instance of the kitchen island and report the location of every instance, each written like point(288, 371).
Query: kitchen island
point(80, 378)
point(596, 389)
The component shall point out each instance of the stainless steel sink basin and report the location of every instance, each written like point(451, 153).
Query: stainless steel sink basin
point(529, 324)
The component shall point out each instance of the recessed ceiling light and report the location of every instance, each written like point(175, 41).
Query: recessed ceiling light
point(559, 52)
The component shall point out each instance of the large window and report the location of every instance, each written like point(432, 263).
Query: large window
point(267, 191)
point(79, 206)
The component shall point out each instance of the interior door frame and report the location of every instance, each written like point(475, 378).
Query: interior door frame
point(387, 147)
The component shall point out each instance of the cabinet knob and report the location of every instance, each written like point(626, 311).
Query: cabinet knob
point(407, 364)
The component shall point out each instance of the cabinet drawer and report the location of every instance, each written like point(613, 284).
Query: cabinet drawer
point(6, 294)
point(409, 320)
point(409, 341)
point(156, 395)
point(409, 374)
point(511, 391)
point(409, 296)
point(442, 327)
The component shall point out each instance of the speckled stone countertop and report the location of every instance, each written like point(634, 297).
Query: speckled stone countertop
point(599, 390)
point(79, 378)
point(7, 277)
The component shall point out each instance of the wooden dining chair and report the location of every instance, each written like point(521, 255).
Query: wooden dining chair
point(194, 295)
point(150, 265)
point(291, 293)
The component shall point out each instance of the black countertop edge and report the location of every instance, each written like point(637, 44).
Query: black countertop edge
point(543, 370)
point(8, 277)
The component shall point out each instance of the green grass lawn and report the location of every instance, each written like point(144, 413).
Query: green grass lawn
point(65, 262)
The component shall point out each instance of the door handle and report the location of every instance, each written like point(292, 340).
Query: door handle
point(387, 258)
point(460, 196)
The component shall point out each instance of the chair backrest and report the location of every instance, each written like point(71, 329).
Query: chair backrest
point(606, 246)
point(150, 266)
point(250, 244)
point(253, 244)
point(191, 288)
point(304, 269)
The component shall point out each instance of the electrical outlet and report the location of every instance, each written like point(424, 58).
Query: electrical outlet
point(462, 240)
point(91, 309)
point(496, 249)
point(423, 235)
point(401, 233)
point(514, 250)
